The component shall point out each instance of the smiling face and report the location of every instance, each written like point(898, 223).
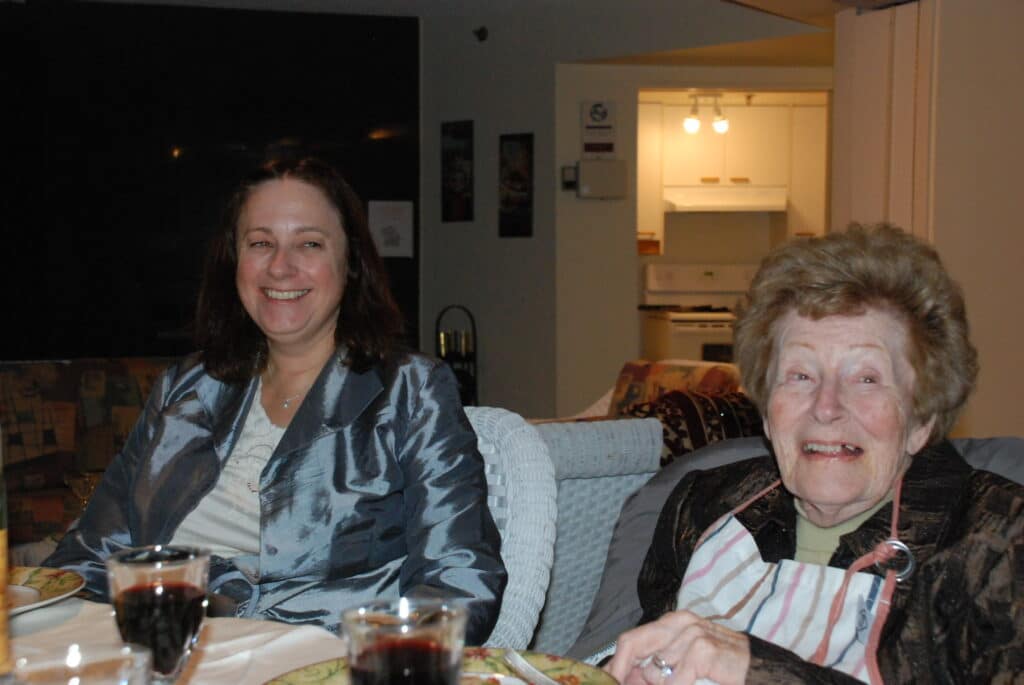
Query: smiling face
point(839, 411)
point(291, 263)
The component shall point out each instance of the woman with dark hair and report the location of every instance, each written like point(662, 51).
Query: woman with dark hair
point(322, 465)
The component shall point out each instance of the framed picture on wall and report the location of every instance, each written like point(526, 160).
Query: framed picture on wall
point(515, 185)
point(457, 171)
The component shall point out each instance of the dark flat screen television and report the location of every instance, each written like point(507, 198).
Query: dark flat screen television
point(126, 126)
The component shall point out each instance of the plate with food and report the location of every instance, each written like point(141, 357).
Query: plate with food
point(32, 587)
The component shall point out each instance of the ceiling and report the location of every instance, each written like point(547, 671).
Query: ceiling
point(818, 13)
point(812, 49)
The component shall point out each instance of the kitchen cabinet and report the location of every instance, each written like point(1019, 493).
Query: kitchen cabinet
point(650, 207)
point(808, 172)
point(755, 151)
point(757, 145)
point(769, 149)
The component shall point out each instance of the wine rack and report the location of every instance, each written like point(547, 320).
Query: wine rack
point(457, 348)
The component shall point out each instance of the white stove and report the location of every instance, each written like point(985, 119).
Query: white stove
point(687, 310)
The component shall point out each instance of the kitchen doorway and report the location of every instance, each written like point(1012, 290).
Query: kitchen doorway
point(722, 177)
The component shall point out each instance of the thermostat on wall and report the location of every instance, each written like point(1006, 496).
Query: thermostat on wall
point(601, 179)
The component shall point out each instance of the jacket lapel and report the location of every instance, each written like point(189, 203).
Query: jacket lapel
point(338, 396)
point(228, 405)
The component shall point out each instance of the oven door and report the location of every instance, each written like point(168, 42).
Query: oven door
point(667, 337)
point(707, 340)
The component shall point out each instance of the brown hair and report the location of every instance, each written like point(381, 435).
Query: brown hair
point(844, 273)
point(369, 322)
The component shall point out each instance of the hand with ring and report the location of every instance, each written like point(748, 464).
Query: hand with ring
point(680, 648)
point(658, 663)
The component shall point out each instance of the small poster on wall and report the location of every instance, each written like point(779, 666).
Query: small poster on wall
point(391, 227)
point(515, 186)
point(457, 171)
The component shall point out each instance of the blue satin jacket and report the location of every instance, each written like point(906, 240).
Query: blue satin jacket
point(375, 490)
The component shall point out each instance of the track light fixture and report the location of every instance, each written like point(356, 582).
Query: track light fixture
point(691, 124)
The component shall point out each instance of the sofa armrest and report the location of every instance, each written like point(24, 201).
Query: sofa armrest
point(592, 449)
point(597, 465)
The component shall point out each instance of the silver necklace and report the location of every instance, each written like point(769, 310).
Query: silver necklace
point(286, 402)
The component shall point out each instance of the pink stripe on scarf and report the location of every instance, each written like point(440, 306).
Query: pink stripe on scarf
point(707, 567)
point(788, 603)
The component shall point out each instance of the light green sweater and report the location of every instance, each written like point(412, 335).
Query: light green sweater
point(815, 545)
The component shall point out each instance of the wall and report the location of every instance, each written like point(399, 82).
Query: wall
point(596, 281)
point(952, 100)
point(719, 238)
point(553, 311)
point(978, 152)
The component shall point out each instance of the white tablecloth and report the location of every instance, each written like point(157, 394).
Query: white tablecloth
point(231, 651)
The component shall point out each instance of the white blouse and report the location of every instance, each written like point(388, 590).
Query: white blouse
point(227, 520)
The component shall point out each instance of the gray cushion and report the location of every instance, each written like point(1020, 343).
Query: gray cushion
point(1004, 456)
point(616, 606)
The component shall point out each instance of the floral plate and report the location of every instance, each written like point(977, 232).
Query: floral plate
point(484, 661)
point(51, 584)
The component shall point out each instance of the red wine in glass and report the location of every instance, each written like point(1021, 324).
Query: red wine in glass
point(405, 662)
point(162, 616)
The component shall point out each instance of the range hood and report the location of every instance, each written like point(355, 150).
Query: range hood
point(725, 198)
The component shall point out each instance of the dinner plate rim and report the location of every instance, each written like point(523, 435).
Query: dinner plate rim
point(477, 654)
point(38, 578)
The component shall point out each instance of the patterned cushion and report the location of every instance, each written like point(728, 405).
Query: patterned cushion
point(643, 381)
point(84, 406)
point(62, 417)
point(691, 420)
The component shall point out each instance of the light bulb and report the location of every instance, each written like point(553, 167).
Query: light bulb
point(719, 123)
point(691, 124)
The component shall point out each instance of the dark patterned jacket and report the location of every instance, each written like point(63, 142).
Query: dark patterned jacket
point(958, 619)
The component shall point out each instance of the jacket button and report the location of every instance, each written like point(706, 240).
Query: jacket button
point(271, 550)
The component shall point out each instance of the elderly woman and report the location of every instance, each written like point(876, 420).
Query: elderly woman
point(863, 548)
point(321, 465)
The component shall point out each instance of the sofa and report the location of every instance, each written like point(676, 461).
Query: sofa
point(61, 422)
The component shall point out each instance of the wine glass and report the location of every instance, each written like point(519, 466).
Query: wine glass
point(159, 596)
point(83, 664)
point(82, 485)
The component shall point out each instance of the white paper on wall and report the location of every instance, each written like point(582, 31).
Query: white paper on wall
point(391, 227)
point(598, 129)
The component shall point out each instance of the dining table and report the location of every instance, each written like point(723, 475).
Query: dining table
point(237, 651)
point(229, 651)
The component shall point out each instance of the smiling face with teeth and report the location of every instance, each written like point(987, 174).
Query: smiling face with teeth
point(291, 264)
point(839, 410)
